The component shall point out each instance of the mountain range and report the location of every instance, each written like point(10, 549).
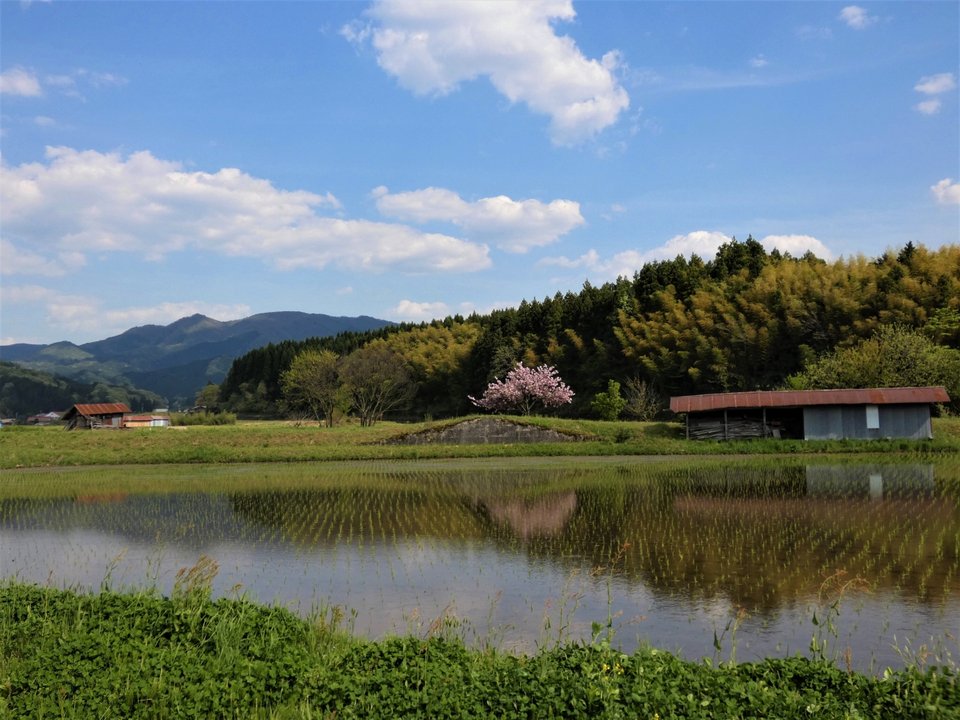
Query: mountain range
point(177, 360)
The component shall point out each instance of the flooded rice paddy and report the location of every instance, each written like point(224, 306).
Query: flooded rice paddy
point(706, 558)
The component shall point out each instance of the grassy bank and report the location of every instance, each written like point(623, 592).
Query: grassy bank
point(283, 442)
point(64, 654)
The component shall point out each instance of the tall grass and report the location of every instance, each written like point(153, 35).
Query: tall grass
point(68, 654)
point(283, 442)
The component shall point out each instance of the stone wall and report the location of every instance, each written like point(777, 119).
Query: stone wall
point(484, 431)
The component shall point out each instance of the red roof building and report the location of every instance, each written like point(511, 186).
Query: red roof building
point(95, 416)
point(902, 412)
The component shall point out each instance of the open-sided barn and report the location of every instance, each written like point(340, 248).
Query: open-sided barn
point(902, 412)
point(95, 415)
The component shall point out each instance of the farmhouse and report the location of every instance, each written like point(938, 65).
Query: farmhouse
point(902, 412)
point(146, 421)
point(95, 415)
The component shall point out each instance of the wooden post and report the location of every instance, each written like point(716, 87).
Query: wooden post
point(726, 434)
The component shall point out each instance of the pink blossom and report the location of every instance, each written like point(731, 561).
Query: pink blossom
point(524, 389)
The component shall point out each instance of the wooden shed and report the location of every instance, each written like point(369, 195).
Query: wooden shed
point(902, 412)
point(95, 416)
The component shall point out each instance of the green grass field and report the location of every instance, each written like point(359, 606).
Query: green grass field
point(284, 442)
point(74, 655)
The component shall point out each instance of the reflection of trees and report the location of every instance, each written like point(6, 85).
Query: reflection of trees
point(761, 543)
point(189, 519)
point(752, 535)
point(758, 537)
point(359, 515)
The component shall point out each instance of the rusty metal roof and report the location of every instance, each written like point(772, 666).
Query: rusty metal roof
point(101, 409)
point(801, 398)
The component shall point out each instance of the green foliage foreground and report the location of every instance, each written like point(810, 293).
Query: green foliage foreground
point(65, 654)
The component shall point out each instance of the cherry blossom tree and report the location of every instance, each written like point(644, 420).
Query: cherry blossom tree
point(524, 390)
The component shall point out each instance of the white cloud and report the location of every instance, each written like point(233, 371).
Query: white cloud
point(936, 84)
point(85, 315)
point(20, 81)
point(947, 192)
point(105, 202)
point(513, 225)
point(929, 107)
point(856, 17)
point(933, 85)
point(167, 312)
point(23, 262)
point(759, 61)
point(590, 259)
point(797, 245)
point(431, 46)
point(418, 311)
point(699, 242)
point(703, 243)
point(44, 121)
point(26, 83)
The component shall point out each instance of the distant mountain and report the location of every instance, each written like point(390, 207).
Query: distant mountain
point(176, 360)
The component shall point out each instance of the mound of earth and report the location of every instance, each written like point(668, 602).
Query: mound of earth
point(483, 431)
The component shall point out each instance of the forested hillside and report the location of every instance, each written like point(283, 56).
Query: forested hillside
point(175, 361)
point(746, 319)
point(25, 392)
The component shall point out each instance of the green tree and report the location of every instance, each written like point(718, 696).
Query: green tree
point(209, 398)
point(377, 380)
point(313, 382)
point(608, 405)
point(895, 356)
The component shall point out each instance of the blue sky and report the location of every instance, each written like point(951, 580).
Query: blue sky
point(417, 159)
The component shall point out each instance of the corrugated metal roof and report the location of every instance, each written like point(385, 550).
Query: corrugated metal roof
point(102, 409)
point(801, 398)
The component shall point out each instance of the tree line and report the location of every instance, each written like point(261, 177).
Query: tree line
point(745, 319)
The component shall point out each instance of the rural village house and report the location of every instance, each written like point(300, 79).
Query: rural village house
point(95, 415)
point(902, 412)
point(110, 415)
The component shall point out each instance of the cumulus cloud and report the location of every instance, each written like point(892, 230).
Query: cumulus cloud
point(106, 202)
point(936, 84)
point(23, 262)
point(418, 311)
point(703, 243)
point(946, 192)
point(512, 225)
point(856, 17)
point(20, 81)
point(932, 85)
point(85, 315)
point(27, 83)
point(590, 259)
point(797, 245)
point(432, 46)
point(928, 107)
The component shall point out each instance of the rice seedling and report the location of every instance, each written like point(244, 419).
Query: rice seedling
point(730, 551)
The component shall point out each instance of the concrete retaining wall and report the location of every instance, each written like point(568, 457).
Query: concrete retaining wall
point(483, 431)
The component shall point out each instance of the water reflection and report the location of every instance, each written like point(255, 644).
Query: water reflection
point(668, 541)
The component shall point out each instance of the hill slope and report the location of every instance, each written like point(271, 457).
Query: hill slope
point(176, 360)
